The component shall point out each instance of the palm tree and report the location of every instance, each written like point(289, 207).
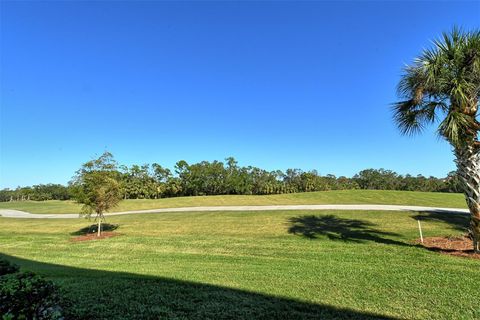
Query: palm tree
point(443, 84)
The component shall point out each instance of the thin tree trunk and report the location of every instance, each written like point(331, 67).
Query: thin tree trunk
point(468, 168)
point(99, 231)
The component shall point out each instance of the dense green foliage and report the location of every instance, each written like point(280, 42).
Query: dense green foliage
point(25, 295)
point(216, 178)
point(38, 192)
point(247, 265)
point(6, 267)
point(219, 178)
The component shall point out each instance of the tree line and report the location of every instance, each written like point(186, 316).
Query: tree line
point(153, 181)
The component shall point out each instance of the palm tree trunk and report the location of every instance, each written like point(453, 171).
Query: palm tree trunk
point(468, 168)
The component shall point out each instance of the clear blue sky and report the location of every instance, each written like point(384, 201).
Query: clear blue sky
point(275, 84)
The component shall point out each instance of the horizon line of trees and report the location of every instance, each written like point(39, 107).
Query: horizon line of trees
point(220, 178)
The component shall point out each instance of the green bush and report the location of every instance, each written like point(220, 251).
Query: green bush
point(25, 295)
point(6, 267)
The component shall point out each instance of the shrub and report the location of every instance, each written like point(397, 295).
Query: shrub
point(25, 295)
point(6, 267)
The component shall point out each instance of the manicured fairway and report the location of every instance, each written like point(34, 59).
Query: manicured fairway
point(226, 265)
point(432, 199)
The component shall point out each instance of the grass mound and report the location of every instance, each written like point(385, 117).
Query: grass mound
point(429, 199)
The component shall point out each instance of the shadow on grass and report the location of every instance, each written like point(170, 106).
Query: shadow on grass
point(457, 220)
point(336, 228)
point(93, 229)
point(95, 294)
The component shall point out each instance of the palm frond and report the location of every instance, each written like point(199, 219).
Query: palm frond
point(412, 118)
point(407, 118)
point(455, 127)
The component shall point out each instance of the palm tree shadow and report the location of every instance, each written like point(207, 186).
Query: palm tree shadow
point(457, 220)
point(336, 228)
point(98, 294)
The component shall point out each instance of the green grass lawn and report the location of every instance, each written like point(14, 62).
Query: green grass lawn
point(245, 265)
point(435, 199)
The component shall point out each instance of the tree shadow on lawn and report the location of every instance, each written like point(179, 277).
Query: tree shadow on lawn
point(95, 294)
point(336, 228)
point(457, 220)
point(93, 229)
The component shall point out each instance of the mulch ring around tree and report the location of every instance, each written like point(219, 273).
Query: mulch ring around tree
point(90, 232)
point(93, 236)
point(456, 246)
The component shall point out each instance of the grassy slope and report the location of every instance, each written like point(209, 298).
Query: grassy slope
point(231, 264)
point(328, 197)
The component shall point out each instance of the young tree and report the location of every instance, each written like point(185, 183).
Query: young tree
point(96, 185)
point(445, 81)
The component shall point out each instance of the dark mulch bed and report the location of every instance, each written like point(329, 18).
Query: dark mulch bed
point(455, 246)
point(93, 236)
